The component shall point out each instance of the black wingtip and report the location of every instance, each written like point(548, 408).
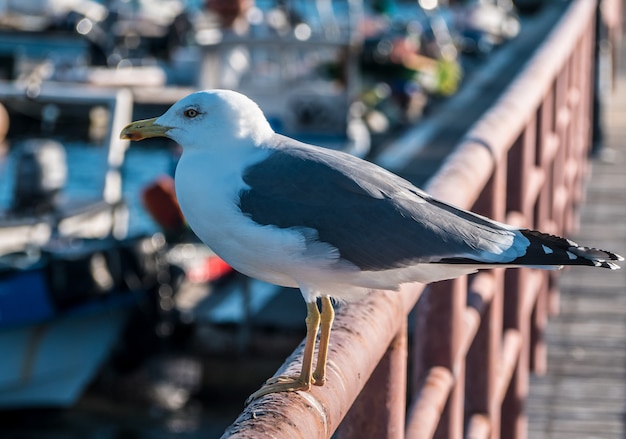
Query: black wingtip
point(565, 251)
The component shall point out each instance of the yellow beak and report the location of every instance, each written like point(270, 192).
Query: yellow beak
point(143, 129)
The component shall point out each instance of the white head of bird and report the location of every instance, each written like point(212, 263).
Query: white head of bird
point(212, 114)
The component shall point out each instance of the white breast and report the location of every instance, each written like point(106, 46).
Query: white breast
point(208, 195)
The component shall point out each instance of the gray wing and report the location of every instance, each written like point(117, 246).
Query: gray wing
point(374, 218)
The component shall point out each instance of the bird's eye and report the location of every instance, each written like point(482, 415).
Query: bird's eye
point(191, 113)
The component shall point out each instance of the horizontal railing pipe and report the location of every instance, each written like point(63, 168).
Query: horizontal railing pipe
point(361, 334)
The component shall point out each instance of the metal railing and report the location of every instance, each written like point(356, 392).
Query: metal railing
point(475, 340)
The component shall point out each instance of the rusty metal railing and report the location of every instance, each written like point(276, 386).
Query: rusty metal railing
point(462, 370)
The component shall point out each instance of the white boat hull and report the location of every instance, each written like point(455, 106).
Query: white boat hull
point(49, 364)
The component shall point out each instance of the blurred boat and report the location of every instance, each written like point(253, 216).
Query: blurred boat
point(38, 208)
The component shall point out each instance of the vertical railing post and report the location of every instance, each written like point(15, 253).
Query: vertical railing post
point(379, 410)
point(571, 145)
point(544, 148)
point(588, 89)
point(514, 422)
point(521, 186)
point(438, 334)
point(525, 183)
point(484, 355)
point(547, 146)
point(562, 120)
point(583, 81)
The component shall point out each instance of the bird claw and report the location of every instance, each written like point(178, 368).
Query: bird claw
point(318, 381)
point(279, 379)
point(280, 384)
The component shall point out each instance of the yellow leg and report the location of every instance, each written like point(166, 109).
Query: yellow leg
point(327, 317)
point(302, 382)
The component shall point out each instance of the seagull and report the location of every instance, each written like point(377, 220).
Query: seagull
point(326, 222)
